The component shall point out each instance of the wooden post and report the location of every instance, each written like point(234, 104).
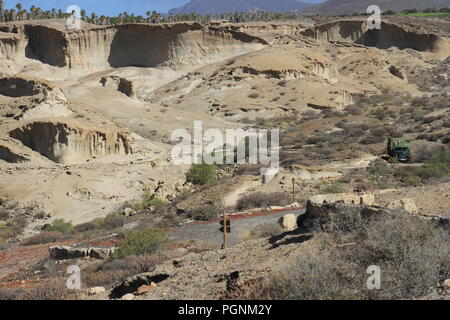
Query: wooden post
point(293, 190)
point(225, 233)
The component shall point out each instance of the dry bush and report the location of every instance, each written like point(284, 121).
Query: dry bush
point(353, 110)
point(114, 271)
point(250, 170)
point(262, 199)
point(45, 237)
point(265, 231)
point(10, 294)
point(106, 278)
point(49, 289)
point(411, 252)
point(257, 289)
point(205, 213)
point(316, 140)
point(4, 214)
point(372, 139)
point(425, 153)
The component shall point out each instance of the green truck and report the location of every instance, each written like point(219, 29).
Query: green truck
point(400, 148)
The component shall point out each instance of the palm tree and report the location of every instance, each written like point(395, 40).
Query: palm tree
point(83, 14)
point(12, 15)
point(54, 14)
point(2, 10)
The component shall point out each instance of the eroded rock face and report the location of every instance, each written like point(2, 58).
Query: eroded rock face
point(141, 45)
point(8, 155)
point(390, 35)
point(67, 143)
point(12, 46)
point(120, 84)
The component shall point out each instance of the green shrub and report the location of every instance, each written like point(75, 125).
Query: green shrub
point(142, 242)
point(332, 189)
point(151, 201)
point(380, 170)
point(201, 174)
point(59, 225)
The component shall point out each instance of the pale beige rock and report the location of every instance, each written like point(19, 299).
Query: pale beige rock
point(447, 283)
point(404, 204)
point(128, 297)
point(95, 291)
point(288, 222)
point(128, 212)
point(347, 198)
point(146, 288)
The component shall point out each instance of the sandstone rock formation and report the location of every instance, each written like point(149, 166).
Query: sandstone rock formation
point(67, 142)
point(389, 35)
point(100, 48)
point(347, 198)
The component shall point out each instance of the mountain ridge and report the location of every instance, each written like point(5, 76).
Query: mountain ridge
point(227, 6)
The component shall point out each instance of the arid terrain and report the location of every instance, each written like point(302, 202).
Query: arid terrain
point(86, 118)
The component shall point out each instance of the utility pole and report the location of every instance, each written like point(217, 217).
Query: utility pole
point(293, 190)
point(225, 233)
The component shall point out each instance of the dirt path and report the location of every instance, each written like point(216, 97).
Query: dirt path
point(209, 231)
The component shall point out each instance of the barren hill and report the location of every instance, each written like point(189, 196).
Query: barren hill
point(227, 6)
point(87, 119)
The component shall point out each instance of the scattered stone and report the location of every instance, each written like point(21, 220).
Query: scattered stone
point(128, 297)
point(128, 212)
point(447, 283)
point(288, 222)
point(145, 288)
point(95, 291)
point(67, 252)
point(347, 198)
point(101, 253)
point(132, 284)
point(294, 205)
point(273, 208)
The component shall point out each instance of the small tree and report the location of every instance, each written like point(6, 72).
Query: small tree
point(142, 242)
point(201, 174)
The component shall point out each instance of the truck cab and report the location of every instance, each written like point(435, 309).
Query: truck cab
point(400, 149)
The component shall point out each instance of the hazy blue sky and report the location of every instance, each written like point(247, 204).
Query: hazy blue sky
point(107, 7)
